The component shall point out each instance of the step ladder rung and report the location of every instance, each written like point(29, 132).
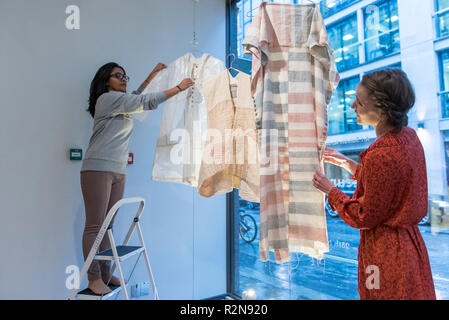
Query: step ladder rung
point(87, 294)
point(124, 252)
point(120, 253)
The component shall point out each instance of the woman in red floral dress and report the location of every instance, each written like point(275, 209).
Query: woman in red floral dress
point(391, 194)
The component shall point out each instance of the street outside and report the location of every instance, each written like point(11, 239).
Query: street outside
point(335, 276)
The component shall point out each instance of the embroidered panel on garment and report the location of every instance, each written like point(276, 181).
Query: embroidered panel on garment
point(184, 120)
point(230, 158)
point(293, 78)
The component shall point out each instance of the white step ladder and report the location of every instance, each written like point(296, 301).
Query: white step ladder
point(115, 254)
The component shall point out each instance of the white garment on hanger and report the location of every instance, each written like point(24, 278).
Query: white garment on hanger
point(184, 120)
point(231, 157)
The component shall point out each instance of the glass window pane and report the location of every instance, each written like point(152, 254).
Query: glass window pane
point(393, 15)
point(239, 17)
point(330, 7)
point(336, 112)
point(444, 65)
point(342, 118)
point(351, 117)
point(246, 10)
point(343, 38)
point(442, 4)
point(445, 105)
point(443, 24)
point(381, 20)
point(335, 277)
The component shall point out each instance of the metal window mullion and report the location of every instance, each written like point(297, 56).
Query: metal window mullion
point(440, 12)
point(342, 42)
point(361, 34)
point(345, 108)
point(437, 22)
point(443, 84)
point(381, 34)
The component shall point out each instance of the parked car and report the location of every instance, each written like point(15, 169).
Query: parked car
point(439, 211)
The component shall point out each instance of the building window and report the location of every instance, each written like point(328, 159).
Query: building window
point(330, 7)
point(444, 93)
point(381, 29)
point(243, 21)
point(246, 10)
point(446, 153)
point(342, 118)
point(442, 18)
point(343, 38)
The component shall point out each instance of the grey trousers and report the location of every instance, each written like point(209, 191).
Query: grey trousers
point(101, 190)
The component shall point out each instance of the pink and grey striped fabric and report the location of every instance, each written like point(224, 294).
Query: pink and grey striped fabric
point(293, 78)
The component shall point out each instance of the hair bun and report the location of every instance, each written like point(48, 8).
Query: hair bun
point(391, 91)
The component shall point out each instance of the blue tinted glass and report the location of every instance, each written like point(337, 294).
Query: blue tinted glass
point(330, 7)
point(381, 22)
point(335, 277)
point(343, 38)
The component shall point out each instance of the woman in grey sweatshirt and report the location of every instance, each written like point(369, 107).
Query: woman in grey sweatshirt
point(104, 165)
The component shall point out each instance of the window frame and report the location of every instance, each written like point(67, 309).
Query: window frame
point(345, 129)
point(436, 15)
point(389, 32)
point(357, 44)
point(443, 90)
point(328, 12)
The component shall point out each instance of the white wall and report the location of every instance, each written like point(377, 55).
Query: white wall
point(46, 73)
point(420, 63)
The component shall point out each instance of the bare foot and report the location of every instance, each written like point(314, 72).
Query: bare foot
point(114, 281)
point(99, 287)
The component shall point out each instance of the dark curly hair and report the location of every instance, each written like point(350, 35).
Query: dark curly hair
point(98, 84)
point(391, 91)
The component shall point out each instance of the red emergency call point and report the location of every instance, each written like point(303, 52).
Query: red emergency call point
point(131, 158)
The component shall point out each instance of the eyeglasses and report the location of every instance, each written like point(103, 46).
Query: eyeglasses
point(120, 76)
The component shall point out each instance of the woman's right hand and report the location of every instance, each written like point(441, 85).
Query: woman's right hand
point(335, 157)
point(339, 159)
point(160, 66)
point(185, 84)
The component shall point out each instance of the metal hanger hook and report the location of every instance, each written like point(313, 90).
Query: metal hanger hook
point(230, 64)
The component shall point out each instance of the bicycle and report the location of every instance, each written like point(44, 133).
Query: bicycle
point(248, 227)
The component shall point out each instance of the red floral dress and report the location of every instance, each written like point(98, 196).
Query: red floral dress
point(390, 200)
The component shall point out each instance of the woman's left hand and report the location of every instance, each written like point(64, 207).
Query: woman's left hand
point(160, 66)
point(322, 183)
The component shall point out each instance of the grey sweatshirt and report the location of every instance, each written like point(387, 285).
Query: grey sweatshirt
point(113, 125)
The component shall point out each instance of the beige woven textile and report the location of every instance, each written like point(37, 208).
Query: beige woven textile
point(231, 155)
